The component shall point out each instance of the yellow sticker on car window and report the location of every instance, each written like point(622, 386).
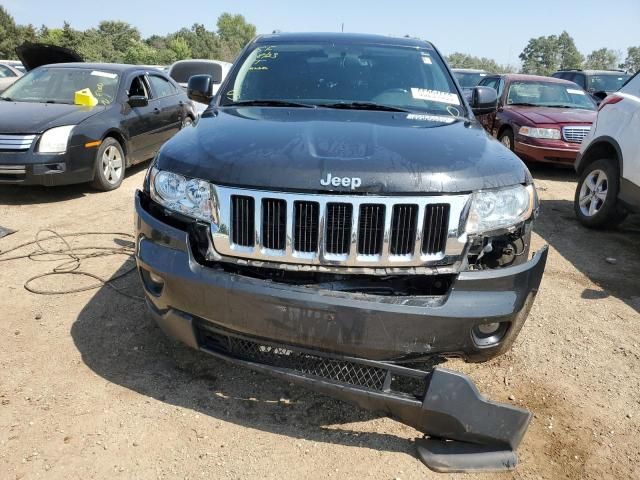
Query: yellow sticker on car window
point(435, 96)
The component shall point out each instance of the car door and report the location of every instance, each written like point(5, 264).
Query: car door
point(628, 140)
point(141, 122)
point(488, 119)
point(7, 77)
point(171, 105)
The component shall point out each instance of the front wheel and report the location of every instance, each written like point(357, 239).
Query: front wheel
point(506, 139)
point(596, 200)
point(110, 165)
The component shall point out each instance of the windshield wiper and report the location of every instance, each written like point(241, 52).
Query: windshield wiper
point(365, 106)
point(524, 104)
point(6, 99)
point(269, 103)
point(560, 106)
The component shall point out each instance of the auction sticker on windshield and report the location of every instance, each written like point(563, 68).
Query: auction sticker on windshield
point(573, 91)
point(97, 73)
point(435, 96)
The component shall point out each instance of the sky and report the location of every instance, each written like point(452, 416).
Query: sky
point(498, 30)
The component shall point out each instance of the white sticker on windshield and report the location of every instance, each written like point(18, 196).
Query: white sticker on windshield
point(573, 91)
point(426, 59)
point(98, 73)
point(435, 96)
point(430, 118)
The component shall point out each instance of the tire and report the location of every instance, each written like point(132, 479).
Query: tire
point(596, 200)
point(186, 122)
point(110, 165)
point(506, 139)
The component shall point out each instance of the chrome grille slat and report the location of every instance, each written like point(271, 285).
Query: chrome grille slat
point(339, 230)
point(575, 134)
point(16, 143)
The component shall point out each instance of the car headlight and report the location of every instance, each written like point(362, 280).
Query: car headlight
point(188, 196)
point(548, 133)
point(501, 208)
point(55, 140)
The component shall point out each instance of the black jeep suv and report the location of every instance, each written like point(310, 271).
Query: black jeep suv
point(338, 213)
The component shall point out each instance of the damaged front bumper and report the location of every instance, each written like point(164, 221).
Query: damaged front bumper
point(348, 345)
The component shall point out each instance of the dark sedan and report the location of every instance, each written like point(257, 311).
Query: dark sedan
point(541, 119)
point(81, 122)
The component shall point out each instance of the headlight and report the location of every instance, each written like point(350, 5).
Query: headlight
point(502, 208)
point(55, 140)
point(548, 133)
point(188, 196)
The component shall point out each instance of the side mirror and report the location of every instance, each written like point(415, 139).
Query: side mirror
point(484, 100)
point(138, 101)
point(200, 88)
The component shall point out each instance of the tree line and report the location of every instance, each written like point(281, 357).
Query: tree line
point(548, 54)
point(120, 42)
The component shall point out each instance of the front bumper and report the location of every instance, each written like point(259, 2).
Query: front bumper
point(562, 153)
point(31, 168)
point(349, 345)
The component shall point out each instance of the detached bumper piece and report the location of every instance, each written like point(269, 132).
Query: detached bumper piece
point(463, 431)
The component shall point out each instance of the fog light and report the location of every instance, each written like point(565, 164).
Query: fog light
point(489, 334)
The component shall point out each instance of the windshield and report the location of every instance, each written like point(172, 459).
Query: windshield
point(181, 72)
point(547, 94)
point(60, 85)
point(469, 80)
point(607, 83)
point(413, 79)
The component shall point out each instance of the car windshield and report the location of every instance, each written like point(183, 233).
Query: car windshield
point(547, 94)
point(607, 82)
point(181, 72)
point(468, 79)
point(60, 85)
point(344, 76)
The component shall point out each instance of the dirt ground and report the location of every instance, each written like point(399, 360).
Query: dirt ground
point(90, 388)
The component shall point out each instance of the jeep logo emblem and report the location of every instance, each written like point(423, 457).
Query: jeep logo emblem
point(353, 182)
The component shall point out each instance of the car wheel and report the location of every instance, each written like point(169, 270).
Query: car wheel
point(506, 139)
point(187, 122)
point(596, 200)
point(110, 165)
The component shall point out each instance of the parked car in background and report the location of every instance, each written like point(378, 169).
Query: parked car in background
point(598, 83)
point(541, 119)
point(8, 75)
point(182, 70)
point(609, 161)
point(80, 122)
point(17, 64)
point(468, 77)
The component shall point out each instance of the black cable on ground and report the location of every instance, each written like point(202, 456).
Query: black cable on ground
point(72, 259)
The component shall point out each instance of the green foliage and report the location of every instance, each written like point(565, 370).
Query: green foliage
point(568, 54)
point(463, 60)
point(120, 42)
point(546, 55)
point(632, 62)
point(602, 59)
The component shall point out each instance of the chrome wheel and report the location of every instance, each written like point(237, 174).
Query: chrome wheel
point(506, 141)
point(593, 193)
point(112, 165)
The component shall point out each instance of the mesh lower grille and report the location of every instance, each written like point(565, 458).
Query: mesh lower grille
point(436, 226)
point(306, 226)
point(371, 229)
point(343, 371)
point(403, 229)
point(243, 220)
point(338, 230)
point(274, 223)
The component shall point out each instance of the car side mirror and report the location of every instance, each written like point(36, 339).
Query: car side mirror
point(484, 100)
point(200, 88)
point(138, 101)
point(600, 95)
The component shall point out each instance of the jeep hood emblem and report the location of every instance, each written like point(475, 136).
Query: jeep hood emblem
point(353, 182)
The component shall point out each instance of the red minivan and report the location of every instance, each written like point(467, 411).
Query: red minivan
point(541, 119)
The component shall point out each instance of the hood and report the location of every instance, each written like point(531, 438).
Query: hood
point(34, 55)
point(23, 117)
point(294, 149)
point(542, 115)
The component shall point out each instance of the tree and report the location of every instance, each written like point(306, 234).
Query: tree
point(180, 47)
point(632, 62)
point(234, 30)
point(568, 54)
point(8, 35)
point(540, 56)
point(463, 60)
point(602, 59)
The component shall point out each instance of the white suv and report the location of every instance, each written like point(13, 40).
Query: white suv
point(609, 161)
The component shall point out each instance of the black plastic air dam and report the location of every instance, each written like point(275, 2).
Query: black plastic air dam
point(464, 432)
